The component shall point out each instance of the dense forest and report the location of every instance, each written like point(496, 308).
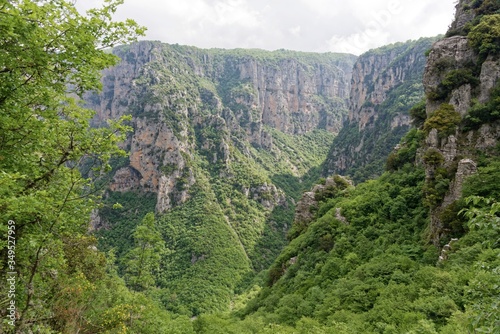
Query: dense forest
point(248, 238)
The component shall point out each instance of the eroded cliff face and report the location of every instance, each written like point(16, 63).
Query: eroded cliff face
point(374, 76)
point(236, 131)
point(288, 95)
point(185, 99)
point(386, 83)
point(457, 76)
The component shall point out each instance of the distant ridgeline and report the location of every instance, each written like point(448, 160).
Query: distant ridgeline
point(386, 84)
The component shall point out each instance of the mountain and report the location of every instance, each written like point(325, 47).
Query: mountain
point(386, 84)
point(201, 177)
point(223, 143)
point(461, 129)
point(417, 249)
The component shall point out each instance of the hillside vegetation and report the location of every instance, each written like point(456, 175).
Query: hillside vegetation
point(170, 208)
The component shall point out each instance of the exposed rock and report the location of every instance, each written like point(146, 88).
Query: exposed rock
point(455, 53)
point(182, 99)
point(490, 74)
point(282, 94)
point(126, 179)
point(400, 120)
point(486, 138)
point(267, 195)
point(448, 54)
point(466, 167)
point(461, 99)
point(446, 249)
point(304, 211)
point(305, 208)
point(463, 15)
point(393, 72)
point(339, 217)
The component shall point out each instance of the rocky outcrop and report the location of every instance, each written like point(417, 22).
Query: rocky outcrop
point(303, 213)
point(386, 83)
point(186, 101)
point(307, 205)
point(267, 195)
point(448, 54)
point(464, 14)
point(125, 179)
point(458, 150)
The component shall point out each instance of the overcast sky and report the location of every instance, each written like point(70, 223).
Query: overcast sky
point(352, 26)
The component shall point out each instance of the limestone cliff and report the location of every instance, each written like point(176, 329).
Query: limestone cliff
point(176, 94)
point(460, 81)
point(386, 82)
point(241, 132)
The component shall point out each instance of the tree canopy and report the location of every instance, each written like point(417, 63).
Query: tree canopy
point(50, 55)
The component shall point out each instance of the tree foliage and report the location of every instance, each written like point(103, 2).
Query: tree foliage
point(142, 262)
point(445, 120)
point(485, 37)
point(49, 56)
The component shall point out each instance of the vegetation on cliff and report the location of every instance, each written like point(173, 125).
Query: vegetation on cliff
point(376, 127)
point(369, 260)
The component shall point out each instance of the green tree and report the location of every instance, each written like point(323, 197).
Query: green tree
point(445, 120)
point(50, 55)
point(483, 291)
point(143, 261)
point(485, 37)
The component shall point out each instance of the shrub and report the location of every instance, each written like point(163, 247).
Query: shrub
point(433, 157)
point(444, 120)
point(453, 80)
point(485, 37)
point(418, 115)
point(485, 7)
point(480, 114)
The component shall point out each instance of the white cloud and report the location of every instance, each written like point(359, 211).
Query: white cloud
point(295, 31)
point(307, 25)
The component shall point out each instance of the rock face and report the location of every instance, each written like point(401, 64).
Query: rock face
point(309, 202)
point(448, 54)
point(289, 95)
point(126, 179)
point(386, 83)
point(185, 100)
point(460, 148)
point(464, 14)
point(231, 134)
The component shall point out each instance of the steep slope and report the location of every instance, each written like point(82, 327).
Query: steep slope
point(386, 83)
point(462, 112)
point(223, 142)
point(418, 249)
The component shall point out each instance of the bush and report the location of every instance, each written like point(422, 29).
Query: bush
point(406, 152)
point(418, 115)
point(444, 120)
point(480, 113)
point(453, 80)
point(433, 157)
point(485, 7)
point(485, 37)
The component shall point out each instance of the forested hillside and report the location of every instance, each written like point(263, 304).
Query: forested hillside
point(155, 188)
point(386, 84)
point(416, 250)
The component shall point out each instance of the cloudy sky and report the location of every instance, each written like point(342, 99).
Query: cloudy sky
point(352, 26)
